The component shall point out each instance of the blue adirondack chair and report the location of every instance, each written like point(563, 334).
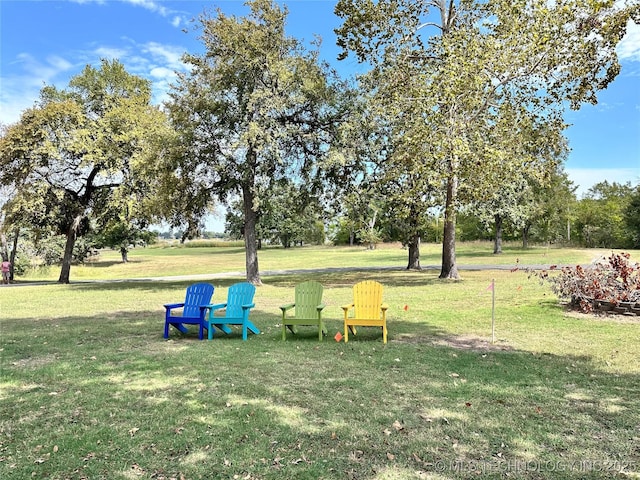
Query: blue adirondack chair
point(194, 309)
point(239, 303)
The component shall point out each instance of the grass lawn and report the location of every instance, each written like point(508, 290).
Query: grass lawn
point(91, 390)
point(176, 260)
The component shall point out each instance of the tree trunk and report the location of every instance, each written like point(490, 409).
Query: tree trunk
point(525, 235)
point(14, 251)
point(68, 252)
point(414, 253)
point(449, 268)
point(250, 242)
point(124, 253)
point(497, 242)
point(351, 237)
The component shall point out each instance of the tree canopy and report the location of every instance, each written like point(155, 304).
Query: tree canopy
point(68, 154)
point(255, 108)
point(475, 91)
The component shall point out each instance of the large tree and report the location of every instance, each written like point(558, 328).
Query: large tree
point(478, 88)
point(254, 108)
point(76, 146)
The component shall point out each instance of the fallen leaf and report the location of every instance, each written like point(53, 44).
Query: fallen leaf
point(133, 431)
point(391, 456)
point(398, 426)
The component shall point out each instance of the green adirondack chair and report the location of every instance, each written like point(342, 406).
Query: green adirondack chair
point(307, 309)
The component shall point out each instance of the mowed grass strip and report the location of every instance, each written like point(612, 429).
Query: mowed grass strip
point(90, 389)
point(183, 260)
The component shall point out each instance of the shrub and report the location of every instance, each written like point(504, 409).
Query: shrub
point(613, 279)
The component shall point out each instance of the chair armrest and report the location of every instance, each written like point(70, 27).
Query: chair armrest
point(170, 306)
point(384, 306)
point(347, 307)
point(248, 305)
point(215, 306)
point(320, 307)
point(286, 307)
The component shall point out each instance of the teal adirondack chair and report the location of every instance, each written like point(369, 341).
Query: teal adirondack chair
point(308, 308)
point(239, 303)
point(194, 309)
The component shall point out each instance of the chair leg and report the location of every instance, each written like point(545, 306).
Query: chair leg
point(166, 329)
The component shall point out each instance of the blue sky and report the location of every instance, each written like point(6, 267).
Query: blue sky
point(50, 41)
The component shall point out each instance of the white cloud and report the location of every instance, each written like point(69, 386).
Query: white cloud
point(166, 54)
point(162, 73)
point(150, 5)
point(177, 21)
point(629, 48)
point(110, 53)
point(20, 91)
point(585, 178)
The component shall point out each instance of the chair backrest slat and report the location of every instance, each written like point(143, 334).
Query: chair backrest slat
point(197, 294)
point(308, 296)
point(367, 299)
point(239, 294)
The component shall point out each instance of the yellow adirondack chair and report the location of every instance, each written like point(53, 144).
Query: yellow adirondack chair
point(368, 309)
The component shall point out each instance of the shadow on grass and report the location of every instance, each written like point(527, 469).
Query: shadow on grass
point(426, 402)
point(389, 277)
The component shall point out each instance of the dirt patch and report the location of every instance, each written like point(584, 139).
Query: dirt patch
point(602, 316)
point(461, 342)
point(34, 362)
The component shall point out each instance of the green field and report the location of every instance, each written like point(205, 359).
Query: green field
point(91, 390)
